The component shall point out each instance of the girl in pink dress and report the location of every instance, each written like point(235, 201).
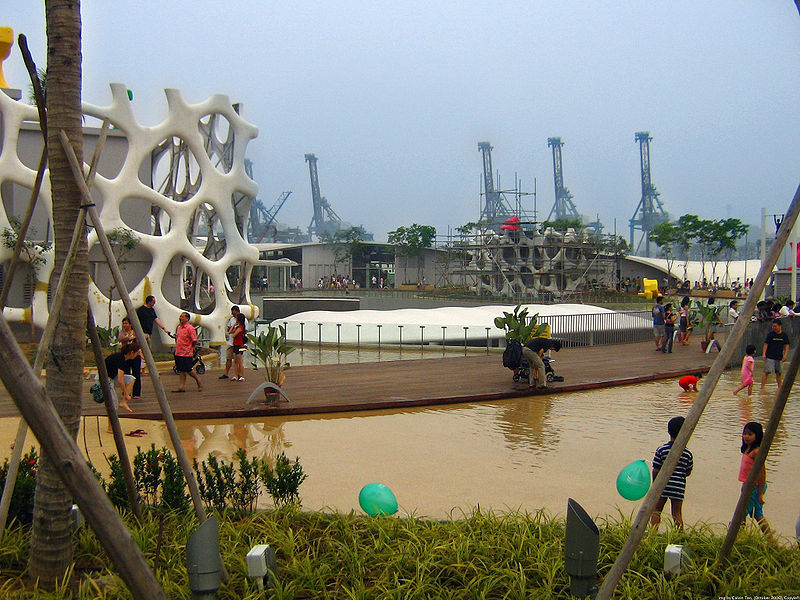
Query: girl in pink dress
point(747, 370)
point(752, 436)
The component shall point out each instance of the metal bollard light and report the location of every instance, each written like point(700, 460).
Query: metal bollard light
point(581, 551)
point(261, 565)
point(203, 561)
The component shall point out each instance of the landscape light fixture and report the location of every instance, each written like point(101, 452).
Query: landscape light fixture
point(261, 565)
point(581, 551)
point(203, 561)
point(676, 558)
point(77, 518)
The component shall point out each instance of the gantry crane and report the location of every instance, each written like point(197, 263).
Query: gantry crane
point(262, 218)
point(324, 219)
point(495, 207)
point(649, 212)
point(563, 207)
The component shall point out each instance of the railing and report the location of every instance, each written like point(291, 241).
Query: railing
point(602, 329)
point(599, 329)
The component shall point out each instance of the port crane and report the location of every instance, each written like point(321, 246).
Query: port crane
point(324, 220)
point(495, 207)
point(650, 211)
point(262, 219)
point(563, 207)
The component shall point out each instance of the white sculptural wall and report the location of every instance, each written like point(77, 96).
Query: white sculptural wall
point(193, 222)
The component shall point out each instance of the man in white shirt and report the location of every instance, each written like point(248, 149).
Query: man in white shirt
point(787, 310)
point(733, 312)
point(229, 349)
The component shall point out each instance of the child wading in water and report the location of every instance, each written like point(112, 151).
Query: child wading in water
point(752, 434)
point(676, 486)
point(747, 370)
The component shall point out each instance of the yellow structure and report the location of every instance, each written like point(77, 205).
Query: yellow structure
point(6, 41)
point(650, 289)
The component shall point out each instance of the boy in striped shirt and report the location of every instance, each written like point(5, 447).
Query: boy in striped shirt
point(676, 486)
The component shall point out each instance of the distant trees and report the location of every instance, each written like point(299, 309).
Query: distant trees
point(411, 241)
point(714, 239)
point(563, 224)
point(348, 245)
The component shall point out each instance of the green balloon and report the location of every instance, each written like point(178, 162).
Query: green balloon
point(634, 481)
point(377, 499)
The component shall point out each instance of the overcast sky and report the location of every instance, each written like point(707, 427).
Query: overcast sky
point(393, 97)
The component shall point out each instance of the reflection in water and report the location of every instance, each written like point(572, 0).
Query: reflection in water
point(521, 453)
point(524, 453)
point(525, 424)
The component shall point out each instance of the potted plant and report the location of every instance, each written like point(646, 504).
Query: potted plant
point(518, 326)
point(706, 316)
point(268, 351)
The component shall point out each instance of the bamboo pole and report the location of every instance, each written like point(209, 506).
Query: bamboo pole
point(761, 458)
point(113, 417)
point(47, 339)
point(37, 183)
point(31, 399)
point(695, 412)
point(137, 327)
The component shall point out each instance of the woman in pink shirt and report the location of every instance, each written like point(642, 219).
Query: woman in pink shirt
point(185, 343)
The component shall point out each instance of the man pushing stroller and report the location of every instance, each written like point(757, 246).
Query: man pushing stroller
point(533, 352)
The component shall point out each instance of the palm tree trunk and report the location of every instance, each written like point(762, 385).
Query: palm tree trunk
point(51, 540)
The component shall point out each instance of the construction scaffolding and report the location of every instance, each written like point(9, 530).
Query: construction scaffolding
point(528, 262)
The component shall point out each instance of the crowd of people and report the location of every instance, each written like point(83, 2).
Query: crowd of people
point(774, 352)
point(125, 367)
point(634, 285)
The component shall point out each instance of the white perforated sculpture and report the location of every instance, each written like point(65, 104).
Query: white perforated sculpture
point(196, 202)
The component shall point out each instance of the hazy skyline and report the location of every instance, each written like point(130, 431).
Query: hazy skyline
point(393, 98)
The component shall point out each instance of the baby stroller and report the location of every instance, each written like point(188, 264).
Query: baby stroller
point(514, 359)
point(197, 361)
point(524, 371)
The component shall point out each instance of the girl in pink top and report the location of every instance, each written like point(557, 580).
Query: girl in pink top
point(752, 434)
point(747, 370)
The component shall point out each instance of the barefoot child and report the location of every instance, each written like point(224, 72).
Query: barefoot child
point(676, 486)
point(752, 434)
point(747, 370)
point(689, 382)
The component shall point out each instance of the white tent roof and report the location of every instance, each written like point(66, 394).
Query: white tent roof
point(743, 269)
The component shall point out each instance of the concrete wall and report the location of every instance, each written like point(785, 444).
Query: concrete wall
point(277, 308)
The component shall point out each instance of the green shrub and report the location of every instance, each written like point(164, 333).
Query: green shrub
point(283, 482)
point(173, 488)
point(147, 473)
point(21, 507)
point(116, 489)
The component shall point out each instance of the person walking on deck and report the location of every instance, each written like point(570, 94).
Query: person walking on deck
point(658, 322)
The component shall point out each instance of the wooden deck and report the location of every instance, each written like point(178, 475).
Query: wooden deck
point(402, 383)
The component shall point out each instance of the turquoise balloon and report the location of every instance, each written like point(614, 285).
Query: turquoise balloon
point(377, 499)
point(634, 481)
